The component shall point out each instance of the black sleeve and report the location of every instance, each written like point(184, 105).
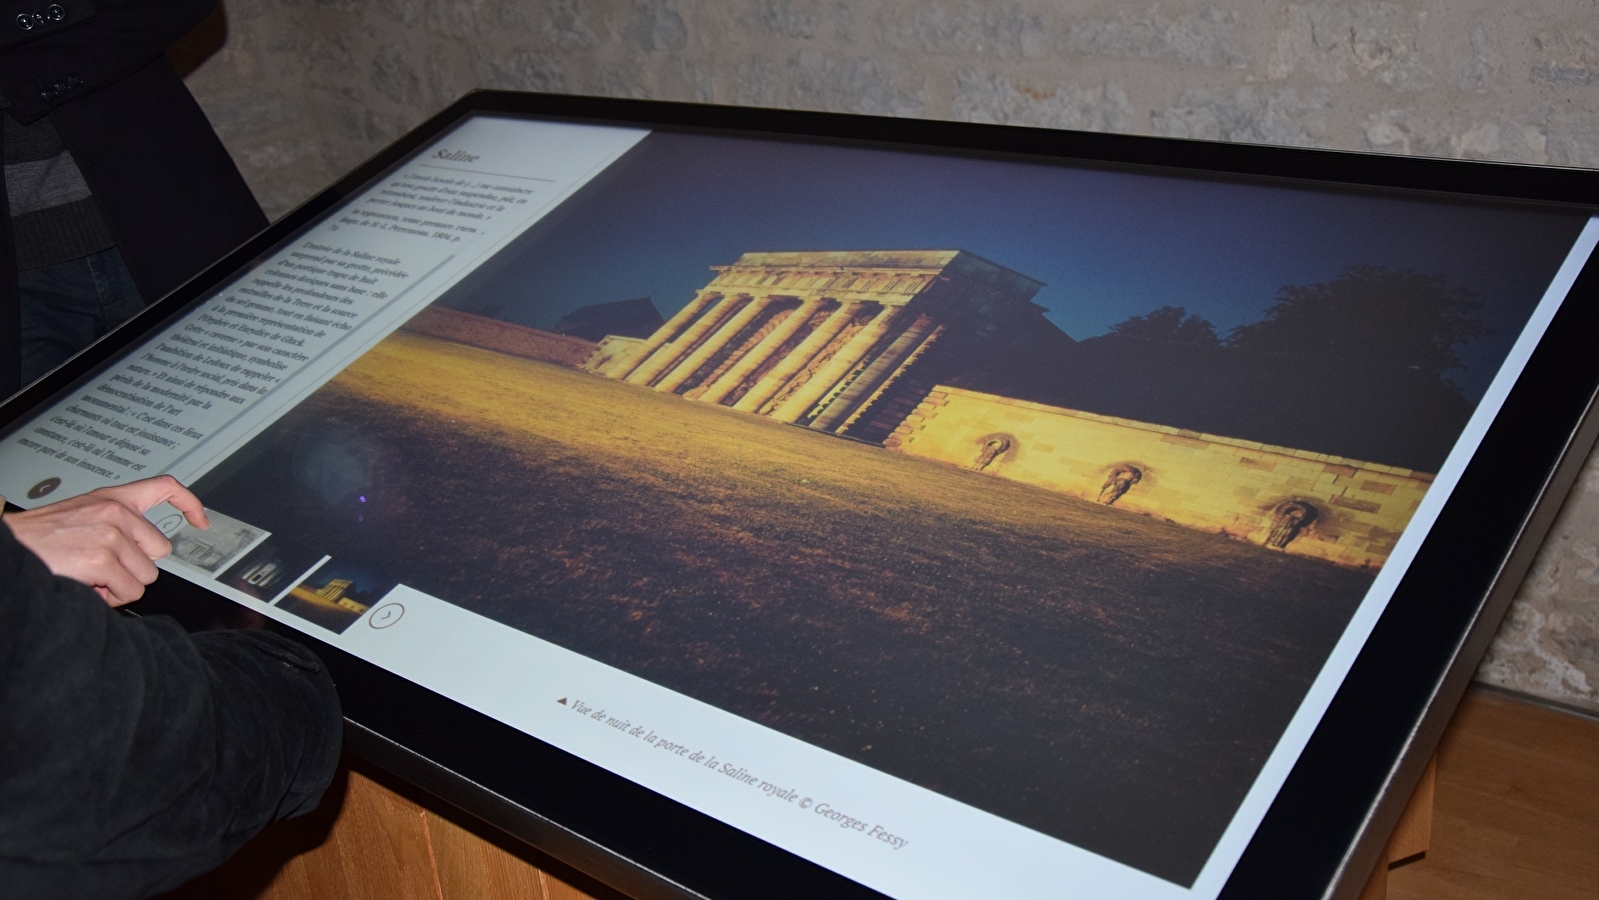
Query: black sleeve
point(22, 21)
point(93, 45)
point(133, 755)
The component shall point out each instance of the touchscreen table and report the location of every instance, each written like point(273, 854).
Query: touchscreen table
point(963, 525)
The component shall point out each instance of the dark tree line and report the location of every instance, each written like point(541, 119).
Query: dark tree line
point(1356, 367)
point(1377, 317)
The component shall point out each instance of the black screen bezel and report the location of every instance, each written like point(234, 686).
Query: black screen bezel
point(1385, 718)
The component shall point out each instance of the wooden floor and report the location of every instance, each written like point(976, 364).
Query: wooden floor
point(1516, 815)
point(373, 839)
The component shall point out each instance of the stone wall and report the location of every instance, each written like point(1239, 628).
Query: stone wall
point(302, 90)
point(1202, 481)
point(503, 337)
point(614, 355)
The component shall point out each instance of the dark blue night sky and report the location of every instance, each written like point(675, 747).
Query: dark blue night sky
point(1108, 244)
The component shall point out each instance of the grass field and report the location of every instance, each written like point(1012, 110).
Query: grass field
point(1112, 680)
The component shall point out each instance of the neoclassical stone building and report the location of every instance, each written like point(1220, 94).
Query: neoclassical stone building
point(828, 340)
point(869, 345)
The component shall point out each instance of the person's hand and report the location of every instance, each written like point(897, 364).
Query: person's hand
point(102, 538)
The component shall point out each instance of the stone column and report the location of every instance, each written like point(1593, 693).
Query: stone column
point(834, 370)
point(657, 340)
point(837, 413)
point(773, 382)
point(713, 343)
point(669, 354)
point(734, 376)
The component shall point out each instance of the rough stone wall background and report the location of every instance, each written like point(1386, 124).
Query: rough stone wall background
point(302, 90)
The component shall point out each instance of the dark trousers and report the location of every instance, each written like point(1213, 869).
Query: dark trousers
point(68, 306)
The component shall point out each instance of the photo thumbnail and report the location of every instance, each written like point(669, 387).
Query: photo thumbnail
point(270, 569)
point(212, 549)
point(335, 595)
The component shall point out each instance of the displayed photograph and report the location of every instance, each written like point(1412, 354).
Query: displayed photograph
point(270, 569)
point(336, 595)
point(1047, 489)
point(211, 549)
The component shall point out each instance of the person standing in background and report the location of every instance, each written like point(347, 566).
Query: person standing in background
point(118, 190)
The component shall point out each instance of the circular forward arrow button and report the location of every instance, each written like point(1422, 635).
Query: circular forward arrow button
point(386, 615)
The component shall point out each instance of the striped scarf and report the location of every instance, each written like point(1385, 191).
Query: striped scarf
point(54, 217)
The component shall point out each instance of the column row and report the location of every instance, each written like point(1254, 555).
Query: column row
point(700, 337)
point(735, 320)
point(791, 365)
point(803, 401)
point(874, 373)
point(729, 381)
point(663, 347)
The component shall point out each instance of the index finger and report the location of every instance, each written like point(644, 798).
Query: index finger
point(145, 493)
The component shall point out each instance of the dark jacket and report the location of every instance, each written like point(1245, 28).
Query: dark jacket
point(134, 756)
point(168, 189)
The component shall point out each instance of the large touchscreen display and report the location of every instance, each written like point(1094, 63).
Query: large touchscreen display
point(969, 527)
